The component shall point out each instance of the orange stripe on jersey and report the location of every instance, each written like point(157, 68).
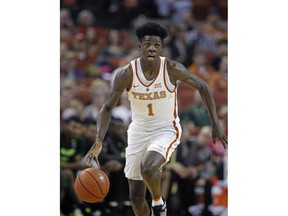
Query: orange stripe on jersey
point(164, 76)
point(128, 89)
point(170, 145)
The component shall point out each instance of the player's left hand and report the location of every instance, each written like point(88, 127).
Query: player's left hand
point(218, 132)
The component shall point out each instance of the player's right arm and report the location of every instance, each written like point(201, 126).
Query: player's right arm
point(121, 82)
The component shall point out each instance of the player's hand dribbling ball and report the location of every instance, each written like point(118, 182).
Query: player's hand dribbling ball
point(92, 185)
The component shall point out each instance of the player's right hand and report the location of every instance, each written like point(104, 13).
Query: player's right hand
point(94, 152)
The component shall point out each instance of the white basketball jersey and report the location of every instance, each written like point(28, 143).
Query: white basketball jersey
point(153, 103)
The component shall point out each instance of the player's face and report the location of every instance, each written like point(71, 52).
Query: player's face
point(150, 48)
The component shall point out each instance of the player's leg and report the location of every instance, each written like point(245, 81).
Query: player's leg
point(159, 151)
point(137, 145)
point(150, 170)
point(137, 194)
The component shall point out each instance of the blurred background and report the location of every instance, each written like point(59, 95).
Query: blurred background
point(97, 37)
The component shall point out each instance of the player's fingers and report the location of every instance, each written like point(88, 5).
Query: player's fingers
point(225, 139)
point(97, 161)
point(88, 162)
point(89, 159)
point(224, 143)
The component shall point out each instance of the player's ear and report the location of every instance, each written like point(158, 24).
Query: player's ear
point(139, 46)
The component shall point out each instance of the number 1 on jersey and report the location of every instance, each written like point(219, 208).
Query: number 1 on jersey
point(150, 110)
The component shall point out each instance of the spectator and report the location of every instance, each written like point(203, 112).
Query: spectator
point(189, 34)
point(85, 20)
point(91, 111)
point(114, 46)
point(112, 54)
point(204, 42)
point(214, 26)
point(179, 7)
point(67, 91)
point(163, 8)
point(176, 42)
point(65, 19)
point(173, 9)
point(222, 50)
point(74, 109)
point(67, 68)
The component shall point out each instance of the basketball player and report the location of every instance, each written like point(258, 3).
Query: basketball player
point(151, 85)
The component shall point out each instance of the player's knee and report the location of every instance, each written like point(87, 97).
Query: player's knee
point(147, 171)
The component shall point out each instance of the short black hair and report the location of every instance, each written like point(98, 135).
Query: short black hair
point(151, 28)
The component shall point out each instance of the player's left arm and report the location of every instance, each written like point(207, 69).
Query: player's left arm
point(178, 71)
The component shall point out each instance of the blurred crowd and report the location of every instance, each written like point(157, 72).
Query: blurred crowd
point(97, 37)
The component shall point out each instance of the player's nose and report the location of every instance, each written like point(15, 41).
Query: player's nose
point(152, 48)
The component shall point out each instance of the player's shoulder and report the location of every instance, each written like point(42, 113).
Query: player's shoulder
point(173, 65)
point(124, 70)
point(123, 76)
point(170, 61)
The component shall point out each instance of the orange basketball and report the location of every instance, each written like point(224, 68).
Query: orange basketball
point(92, 185)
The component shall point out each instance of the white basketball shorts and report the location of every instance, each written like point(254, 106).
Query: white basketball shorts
point(163, 141)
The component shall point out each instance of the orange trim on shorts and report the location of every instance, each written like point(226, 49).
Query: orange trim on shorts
point(174, 124)
point(170, 145)
point(175, 104)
